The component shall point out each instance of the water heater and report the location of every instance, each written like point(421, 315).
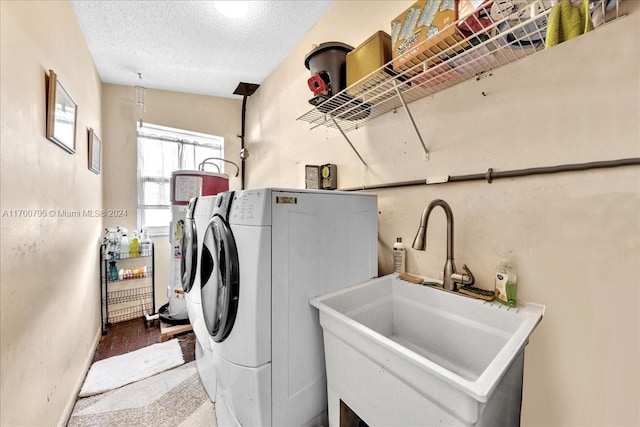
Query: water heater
point(185, 185)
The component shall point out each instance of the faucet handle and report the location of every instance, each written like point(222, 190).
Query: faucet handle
point(465, 279)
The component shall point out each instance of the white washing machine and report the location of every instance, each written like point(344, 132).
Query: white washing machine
point(277, 250)
point(196, 220)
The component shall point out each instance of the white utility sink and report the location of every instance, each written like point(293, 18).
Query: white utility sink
point(404, 354)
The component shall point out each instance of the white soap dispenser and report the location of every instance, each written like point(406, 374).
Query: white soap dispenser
point(145, 243)
point(506, 282)
point(399, 256)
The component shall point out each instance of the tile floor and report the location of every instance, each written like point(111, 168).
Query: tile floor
point(134, 334)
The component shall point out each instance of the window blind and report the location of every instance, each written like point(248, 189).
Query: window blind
point(161, 151)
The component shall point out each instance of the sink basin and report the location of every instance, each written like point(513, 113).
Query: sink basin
point(401, 354)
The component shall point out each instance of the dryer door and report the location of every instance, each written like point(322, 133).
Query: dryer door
point(189, 250)
point(220, 279)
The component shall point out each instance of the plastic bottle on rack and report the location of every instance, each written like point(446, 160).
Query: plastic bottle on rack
point(145, 243)
point(125, 248)
point(134, 244)
point(111, 241)
point(113, 271)
point(118, 241)
point(399, 256)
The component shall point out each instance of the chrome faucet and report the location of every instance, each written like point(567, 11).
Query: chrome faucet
point(450, 276)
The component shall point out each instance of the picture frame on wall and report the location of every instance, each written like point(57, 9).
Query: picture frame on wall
point(95, 151)
point(62, 115)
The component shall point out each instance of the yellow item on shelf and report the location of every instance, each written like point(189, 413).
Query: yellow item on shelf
point(134, 244)
point(567, 21)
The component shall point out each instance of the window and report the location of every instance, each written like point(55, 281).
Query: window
point(161, 151)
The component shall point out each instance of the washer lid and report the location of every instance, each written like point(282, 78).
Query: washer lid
point(219, 278)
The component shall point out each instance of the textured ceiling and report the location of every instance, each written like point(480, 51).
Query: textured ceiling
point(188, 46)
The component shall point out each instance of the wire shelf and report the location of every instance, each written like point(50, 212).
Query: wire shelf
point(131, 274)
point(509, 30)
point(117, 316)
point(127, 295)
point(126, 255)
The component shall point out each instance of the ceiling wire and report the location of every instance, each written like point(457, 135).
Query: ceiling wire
point(140, 95)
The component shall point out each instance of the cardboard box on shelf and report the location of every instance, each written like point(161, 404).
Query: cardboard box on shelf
point(425, 31)
point(370, 56)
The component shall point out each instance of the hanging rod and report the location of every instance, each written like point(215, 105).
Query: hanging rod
point(491, 175)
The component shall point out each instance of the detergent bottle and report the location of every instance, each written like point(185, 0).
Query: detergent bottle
point(134, 244)
point(145, 243)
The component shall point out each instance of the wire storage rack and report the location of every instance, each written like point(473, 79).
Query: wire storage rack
point(124, 295)
point(498, 33)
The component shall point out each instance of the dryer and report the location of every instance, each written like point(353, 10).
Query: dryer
point(184, 186)
point(276, 249)
point(197, 218)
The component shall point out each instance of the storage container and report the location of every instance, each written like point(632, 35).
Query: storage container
point(370, 56)
point(327, 64)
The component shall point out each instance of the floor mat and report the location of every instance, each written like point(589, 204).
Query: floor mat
point(173, 398)
point(116, 371)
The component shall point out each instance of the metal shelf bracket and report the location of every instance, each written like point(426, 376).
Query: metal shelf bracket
point(349, 142)
point(413, 122)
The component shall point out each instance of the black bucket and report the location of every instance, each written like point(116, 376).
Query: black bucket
point(327, 64)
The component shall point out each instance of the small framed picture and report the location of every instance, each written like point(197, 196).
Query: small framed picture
point(95, 151)
point(62, 113)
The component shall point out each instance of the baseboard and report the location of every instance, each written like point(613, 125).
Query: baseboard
point(64, 419)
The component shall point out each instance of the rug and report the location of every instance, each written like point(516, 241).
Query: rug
point(116, 371)
point(172, 398)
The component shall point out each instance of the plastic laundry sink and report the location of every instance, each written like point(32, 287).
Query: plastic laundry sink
point(405, 354)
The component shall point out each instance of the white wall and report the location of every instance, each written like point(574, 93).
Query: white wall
point(206, 114)
point(50, 279)
point(573, 237)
